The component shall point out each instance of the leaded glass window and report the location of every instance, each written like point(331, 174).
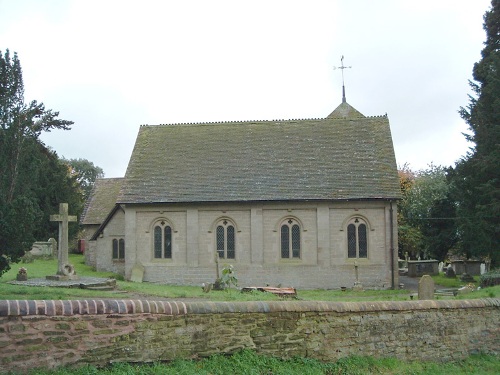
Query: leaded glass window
point(290, 239)
point(351, 241)
point(225, 240)
point(230, 242)
point(121, 248)
point(295, 241)
point(157, 241)
point(162, 241)
point(167, 242)
point(285, 241)
point(357, 239)
point(221, 243)
point(118, 251)
point(363, 244)
point(115, 248)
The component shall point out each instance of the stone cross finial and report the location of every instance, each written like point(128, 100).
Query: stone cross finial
point(63, 218)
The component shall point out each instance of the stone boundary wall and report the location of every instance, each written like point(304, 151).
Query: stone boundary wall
point(49, 334)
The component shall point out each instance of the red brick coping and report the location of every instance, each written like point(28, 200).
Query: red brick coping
point(105, 306)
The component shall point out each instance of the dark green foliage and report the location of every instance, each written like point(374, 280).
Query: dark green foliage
point(476, 180)
point(32, 180)
point(491, 278)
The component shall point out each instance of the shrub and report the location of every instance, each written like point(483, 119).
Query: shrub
point(491, 278)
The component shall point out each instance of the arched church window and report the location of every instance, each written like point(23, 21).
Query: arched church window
point(225, 240)
point(357, 240)
point(162, 240)
point(290, 239)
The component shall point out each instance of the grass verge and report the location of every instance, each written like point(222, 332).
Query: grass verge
point(247, 362)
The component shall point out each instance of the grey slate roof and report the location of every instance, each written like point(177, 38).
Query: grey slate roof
point(101, 201)
point(344, 156)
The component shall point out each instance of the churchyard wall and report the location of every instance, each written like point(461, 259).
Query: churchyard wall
point(50, 334)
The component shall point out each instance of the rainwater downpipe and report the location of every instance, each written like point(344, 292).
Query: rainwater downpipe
point(391, 219)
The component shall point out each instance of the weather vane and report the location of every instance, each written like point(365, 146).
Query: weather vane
point(342, 67)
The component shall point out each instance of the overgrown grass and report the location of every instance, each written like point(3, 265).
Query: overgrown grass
point(447, 282)
point(247, 362)
point(125, 289)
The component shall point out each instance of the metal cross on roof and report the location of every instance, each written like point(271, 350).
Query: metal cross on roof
point(342, 67)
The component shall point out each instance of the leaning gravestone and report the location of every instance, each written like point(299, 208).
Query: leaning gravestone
point(426, 287)
point(65, 271)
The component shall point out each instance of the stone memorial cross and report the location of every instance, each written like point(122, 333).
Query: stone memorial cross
point(63, 218)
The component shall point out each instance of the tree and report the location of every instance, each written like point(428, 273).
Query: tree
point(85, 173)
point(32, 180)
point(409, 236)
point(427, 213)
point(476, 178)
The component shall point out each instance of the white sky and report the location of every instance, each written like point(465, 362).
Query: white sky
point(110, 66)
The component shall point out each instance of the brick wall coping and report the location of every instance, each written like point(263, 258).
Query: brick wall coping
point(107, 306)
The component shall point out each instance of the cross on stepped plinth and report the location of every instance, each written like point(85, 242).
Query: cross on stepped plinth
point(64, 269)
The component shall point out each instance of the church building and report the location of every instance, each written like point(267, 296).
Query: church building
point(298, 203)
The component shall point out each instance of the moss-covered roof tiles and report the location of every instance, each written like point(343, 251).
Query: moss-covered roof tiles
point(101, 200)
point(318, 159)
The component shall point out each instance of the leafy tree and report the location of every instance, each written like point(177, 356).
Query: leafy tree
point(32, 179)
point(85, 173)
point(409, 236)
point(476, 178)
point(427, 213)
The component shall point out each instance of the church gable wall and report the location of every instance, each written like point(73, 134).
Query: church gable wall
point(114, 230)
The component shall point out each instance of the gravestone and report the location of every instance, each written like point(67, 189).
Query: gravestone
point(65, 271)
point(137, 273)
point(450, 272)
point(426, 287)
point(357, 285)
point(44, 248)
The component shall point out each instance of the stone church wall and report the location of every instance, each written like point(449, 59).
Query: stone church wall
point(323, 261)
point(50, 334)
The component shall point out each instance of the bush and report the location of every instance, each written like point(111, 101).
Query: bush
point(491, 278)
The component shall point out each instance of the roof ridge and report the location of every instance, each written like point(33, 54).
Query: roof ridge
point(258, 121)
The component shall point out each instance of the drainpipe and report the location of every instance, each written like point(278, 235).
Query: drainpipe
point(391, 218)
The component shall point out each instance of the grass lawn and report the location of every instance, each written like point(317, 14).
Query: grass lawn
point(247, 362)
point(125, 289)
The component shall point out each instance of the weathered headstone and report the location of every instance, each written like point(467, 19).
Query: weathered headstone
point(450, 272)
point(54, 246)
point(137, 273)
point(426, 287)
point(44, 248)
point(65, 271)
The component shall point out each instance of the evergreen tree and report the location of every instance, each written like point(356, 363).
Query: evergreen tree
point(32, 179)
point(476, 177)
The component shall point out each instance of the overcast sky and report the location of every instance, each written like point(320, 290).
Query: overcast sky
point(111, 66)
